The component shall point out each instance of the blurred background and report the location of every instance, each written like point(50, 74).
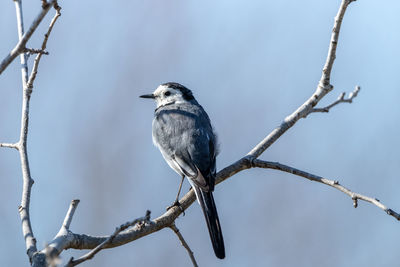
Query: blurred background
point(250, 64)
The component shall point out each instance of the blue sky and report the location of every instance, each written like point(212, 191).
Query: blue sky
point(250, 64)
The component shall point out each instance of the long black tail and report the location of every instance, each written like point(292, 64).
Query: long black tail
point(207, 204)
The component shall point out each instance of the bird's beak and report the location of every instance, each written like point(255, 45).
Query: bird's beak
point(148, 96)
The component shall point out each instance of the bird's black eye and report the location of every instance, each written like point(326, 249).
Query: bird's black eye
point(167, 93)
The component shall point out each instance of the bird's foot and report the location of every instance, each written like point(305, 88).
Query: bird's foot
point(176, 204)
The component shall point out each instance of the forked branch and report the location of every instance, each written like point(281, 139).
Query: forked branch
point(32, 77)
point(341, 99)
point(83, 241)
point(323, 88)
point(333, 183)
point(140, 222)
point(21, 145)
point(25, 38)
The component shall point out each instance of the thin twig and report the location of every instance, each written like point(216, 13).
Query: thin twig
point(50, 254)
point(119, 229)
point(32, 51)
point(333, 183)
point(32, 77)
point(340, 99)
point(20, 26)
point(326, 71)
point(184, 244)
point(22, 41)
point(70, 213)
point(15, 146)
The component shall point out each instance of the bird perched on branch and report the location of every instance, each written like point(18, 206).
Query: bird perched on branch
point(182, 131)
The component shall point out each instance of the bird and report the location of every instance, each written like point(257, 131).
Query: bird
point(183, 133)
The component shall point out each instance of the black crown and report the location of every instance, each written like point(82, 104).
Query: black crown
point(186, 93)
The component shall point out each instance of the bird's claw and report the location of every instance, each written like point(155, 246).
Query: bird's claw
point(176, 204)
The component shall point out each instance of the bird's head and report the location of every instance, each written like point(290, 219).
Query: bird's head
point(170, 93)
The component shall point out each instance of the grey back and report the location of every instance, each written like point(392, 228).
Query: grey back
point(184, 134)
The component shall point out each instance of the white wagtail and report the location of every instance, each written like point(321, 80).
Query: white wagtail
point(182, 131)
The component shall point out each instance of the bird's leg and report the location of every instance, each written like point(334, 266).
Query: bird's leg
point(179, 190)
point(176, 203)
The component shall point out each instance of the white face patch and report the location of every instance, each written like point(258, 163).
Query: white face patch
point(165, 95)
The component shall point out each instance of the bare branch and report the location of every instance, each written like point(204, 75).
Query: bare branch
point(140, 221)
point(32, 77)
point(20, 25)
point(21, 146)
point(70, 214)
point(19, 48)
point(323, 88)
point(30, 240)
point(35, 51)
point(83, 241)
point(49, 256)
point(184, 244)
point(37, 259)
point(340, 99)
point(9, 145)
point(333, 183)
point(324, 82)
